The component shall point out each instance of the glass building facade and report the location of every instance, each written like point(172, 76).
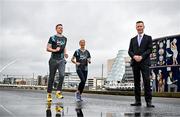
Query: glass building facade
point(120, 76)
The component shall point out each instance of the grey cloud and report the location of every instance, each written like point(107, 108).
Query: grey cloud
point(107, 27)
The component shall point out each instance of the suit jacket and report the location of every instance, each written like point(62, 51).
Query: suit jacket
point(143, 50)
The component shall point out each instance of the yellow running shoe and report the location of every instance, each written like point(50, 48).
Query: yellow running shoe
point(59, 95)
point(59, 108)
point(49, 97)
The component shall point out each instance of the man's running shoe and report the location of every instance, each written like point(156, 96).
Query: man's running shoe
point(59, 95)
point(49, 97)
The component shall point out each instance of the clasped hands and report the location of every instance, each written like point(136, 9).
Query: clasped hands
point(137, 58)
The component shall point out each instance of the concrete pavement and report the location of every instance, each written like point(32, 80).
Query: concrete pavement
point(24, 103)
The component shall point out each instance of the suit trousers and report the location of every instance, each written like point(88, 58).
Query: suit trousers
point(137, 70)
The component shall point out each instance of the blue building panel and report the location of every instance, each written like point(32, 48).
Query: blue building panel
point(165, 64)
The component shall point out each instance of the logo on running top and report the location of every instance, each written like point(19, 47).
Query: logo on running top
point(60, 42)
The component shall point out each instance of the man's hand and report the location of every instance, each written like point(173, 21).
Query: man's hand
point(137, 58)
point(89, 61)
point(50, 49)
point(66, 56)
point(77, 63)
point(57, 49)
point(140, 58)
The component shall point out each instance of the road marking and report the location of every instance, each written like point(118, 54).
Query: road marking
point(9, 112)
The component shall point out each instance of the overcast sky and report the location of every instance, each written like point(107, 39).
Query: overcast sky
point(107, 26)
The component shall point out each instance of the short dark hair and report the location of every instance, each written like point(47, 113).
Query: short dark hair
point(81, 40)
point(139, 22)
point(58, 25)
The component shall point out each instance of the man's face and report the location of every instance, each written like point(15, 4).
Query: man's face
point(82, 43)
point(140, 28)
point(59, 29)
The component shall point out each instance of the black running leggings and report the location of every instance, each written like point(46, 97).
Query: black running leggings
point(83, 77)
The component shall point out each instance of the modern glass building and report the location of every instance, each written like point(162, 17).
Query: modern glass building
point(120, 76)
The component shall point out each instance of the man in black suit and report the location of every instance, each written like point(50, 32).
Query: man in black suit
point(139, 50)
